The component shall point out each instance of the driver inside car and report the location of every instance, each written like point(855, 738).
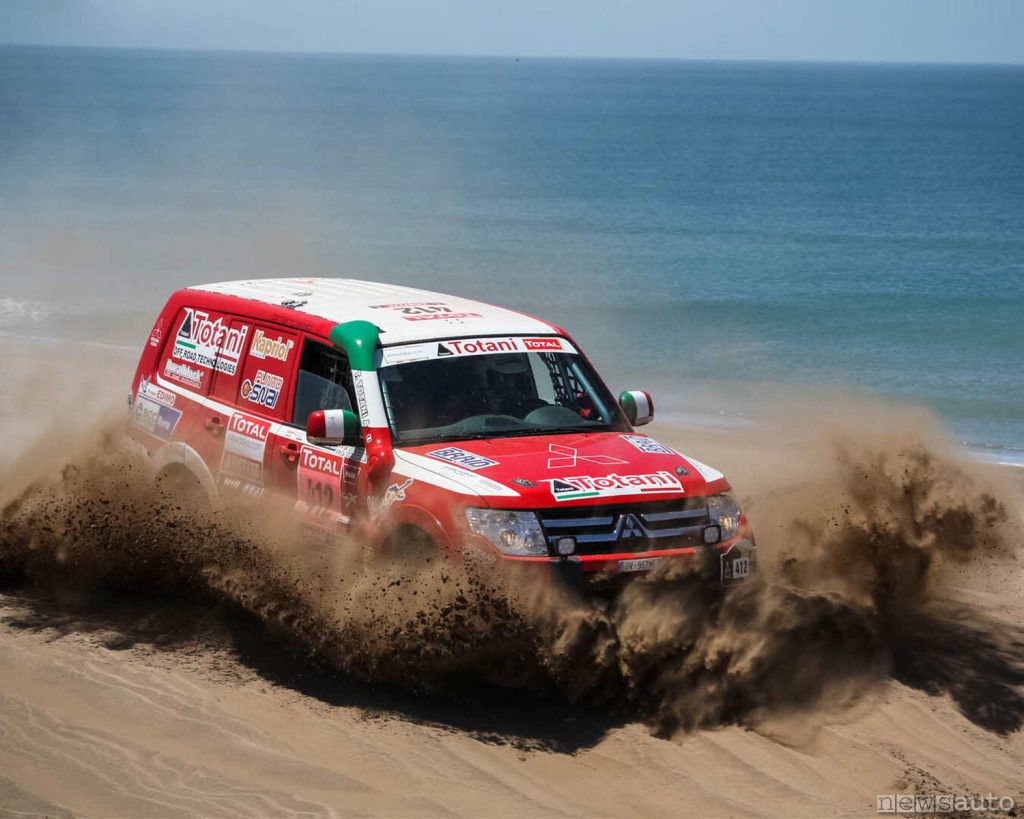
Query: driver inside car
point(510, 386)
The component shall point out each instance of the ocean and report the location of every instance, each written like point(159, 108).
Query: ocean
point(727, 235)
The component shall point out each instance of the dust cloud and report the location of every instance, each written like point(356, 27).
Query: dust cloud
point(870, 522)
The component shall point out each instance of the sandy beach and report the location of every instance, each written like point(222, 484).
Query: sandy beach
point(179, 705)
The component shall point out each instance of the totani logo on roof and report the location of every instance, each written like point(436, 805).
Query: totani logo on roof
point(584, 486)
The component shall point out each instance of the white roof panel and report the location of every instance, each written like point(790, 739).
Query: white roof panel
point(403, 314)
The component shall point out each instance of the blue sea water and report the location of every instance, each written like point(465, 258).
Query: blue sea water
point(719, 232)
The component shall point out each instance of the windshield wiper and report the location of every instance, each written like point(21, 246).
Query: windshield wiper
point(561, 430)
point(441, 439)
point(499, 433)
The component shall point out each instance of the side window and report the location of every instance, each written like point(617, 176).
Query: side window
point(264, 385)
point(201, 342)
point(324, 381)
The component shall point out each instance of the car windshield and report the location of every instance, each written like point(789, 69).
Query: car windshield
point(495, 396)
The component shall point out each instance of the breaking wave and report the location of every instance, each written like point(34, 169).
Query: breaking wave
point(18, 310)
point(847, 554)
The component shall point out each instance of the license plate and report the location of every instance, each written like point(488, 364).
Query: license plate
point(640, 564)
point(739, 563)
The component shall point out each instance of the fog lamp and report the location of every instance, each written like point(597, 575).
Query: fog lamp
point(566, 546)
point(712, 534)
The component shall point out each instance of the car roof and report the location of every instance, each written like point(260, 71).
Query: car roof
point(391, 307)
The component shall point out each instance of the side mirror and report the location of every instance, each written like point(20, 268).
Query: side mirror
point(333, 427)
point(638, 406)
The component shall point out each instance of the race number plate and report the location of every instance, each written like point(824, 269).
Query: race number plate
point(640, 564)
point(738, 563)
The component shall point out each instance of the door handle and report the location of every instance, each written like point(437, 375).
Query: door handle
point(289, 452)
point(214, 424)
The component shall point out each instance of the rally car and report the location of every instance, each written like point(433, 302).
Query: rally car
point(382, 414)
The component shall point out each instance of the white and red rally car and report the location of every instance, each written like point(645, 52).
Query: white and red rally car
point(382, 413)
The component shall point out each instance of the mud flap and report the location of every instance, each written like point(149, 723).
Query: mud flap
point(738, 563)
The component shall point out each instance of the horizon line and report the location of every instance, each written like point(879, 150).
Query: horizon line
point(511, 56)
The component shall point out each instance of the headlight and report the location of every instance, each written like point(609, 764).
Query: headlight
point(514, 533)
point(724, 511)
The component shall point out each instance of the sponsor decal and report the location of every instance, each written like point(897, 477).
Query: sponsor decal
point(566, 457)
point(156, 392)
point(645, 444)
point(359, 386)
point(183, 373)
point(263, 389)
point(153, 417)
point(157, 334)
point(585, 486)
point(461, 457)
point(549, 344)
point(472, 346)
point(392, 495)
point(324, 462)
point(485, 345)
point(448, 476)
point(236, 470)
point(425, 311)
point(263, 346)
point(247, 437)
point(399, 355)
point(319, 475)
point(523, 482)
point(708, 473)
point(349, 493)
point(209, 343)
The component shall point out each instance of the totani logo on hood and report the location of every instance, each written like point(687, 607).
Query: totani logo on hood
point(585, 486)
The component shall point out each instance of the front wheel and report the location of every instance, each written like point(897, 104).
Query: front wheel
point(411, 546)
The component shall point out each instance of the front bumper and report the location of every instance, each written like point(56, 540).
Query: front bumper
point(727, 563)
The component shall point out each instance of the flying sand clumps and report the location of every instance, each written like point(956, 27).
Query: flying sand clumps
point(846, 554)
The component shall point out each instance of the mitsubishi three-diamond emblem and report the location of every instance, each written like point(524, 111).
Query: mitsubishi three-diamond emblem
point(630, 527)
point(568, 457)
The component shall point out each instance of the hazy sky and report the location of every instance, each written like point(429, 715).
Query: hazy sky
point(861, 30)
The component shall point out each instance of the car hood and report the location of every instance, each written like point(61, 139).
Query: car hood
point(568, 469)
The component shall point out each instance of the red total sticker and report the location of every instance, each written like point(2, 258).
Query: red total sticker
point(249, 427)
point(542, 344)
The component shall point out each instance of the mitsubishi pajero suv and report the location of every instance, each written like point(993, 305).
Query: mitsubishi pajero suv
point(379, 413)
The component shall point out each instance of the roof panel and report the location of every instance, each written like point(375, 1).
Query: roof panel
point(403, 314)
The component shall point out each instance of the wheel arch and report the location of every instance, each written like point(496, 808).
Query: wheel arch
point(409, 517)
point(179, 455)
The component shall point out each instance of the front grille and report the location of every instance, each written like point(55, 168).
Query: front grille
point(637, 527)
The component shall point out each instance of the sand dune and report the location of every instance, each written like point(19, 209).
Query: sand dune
point(171, 705)
point(97, 724)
